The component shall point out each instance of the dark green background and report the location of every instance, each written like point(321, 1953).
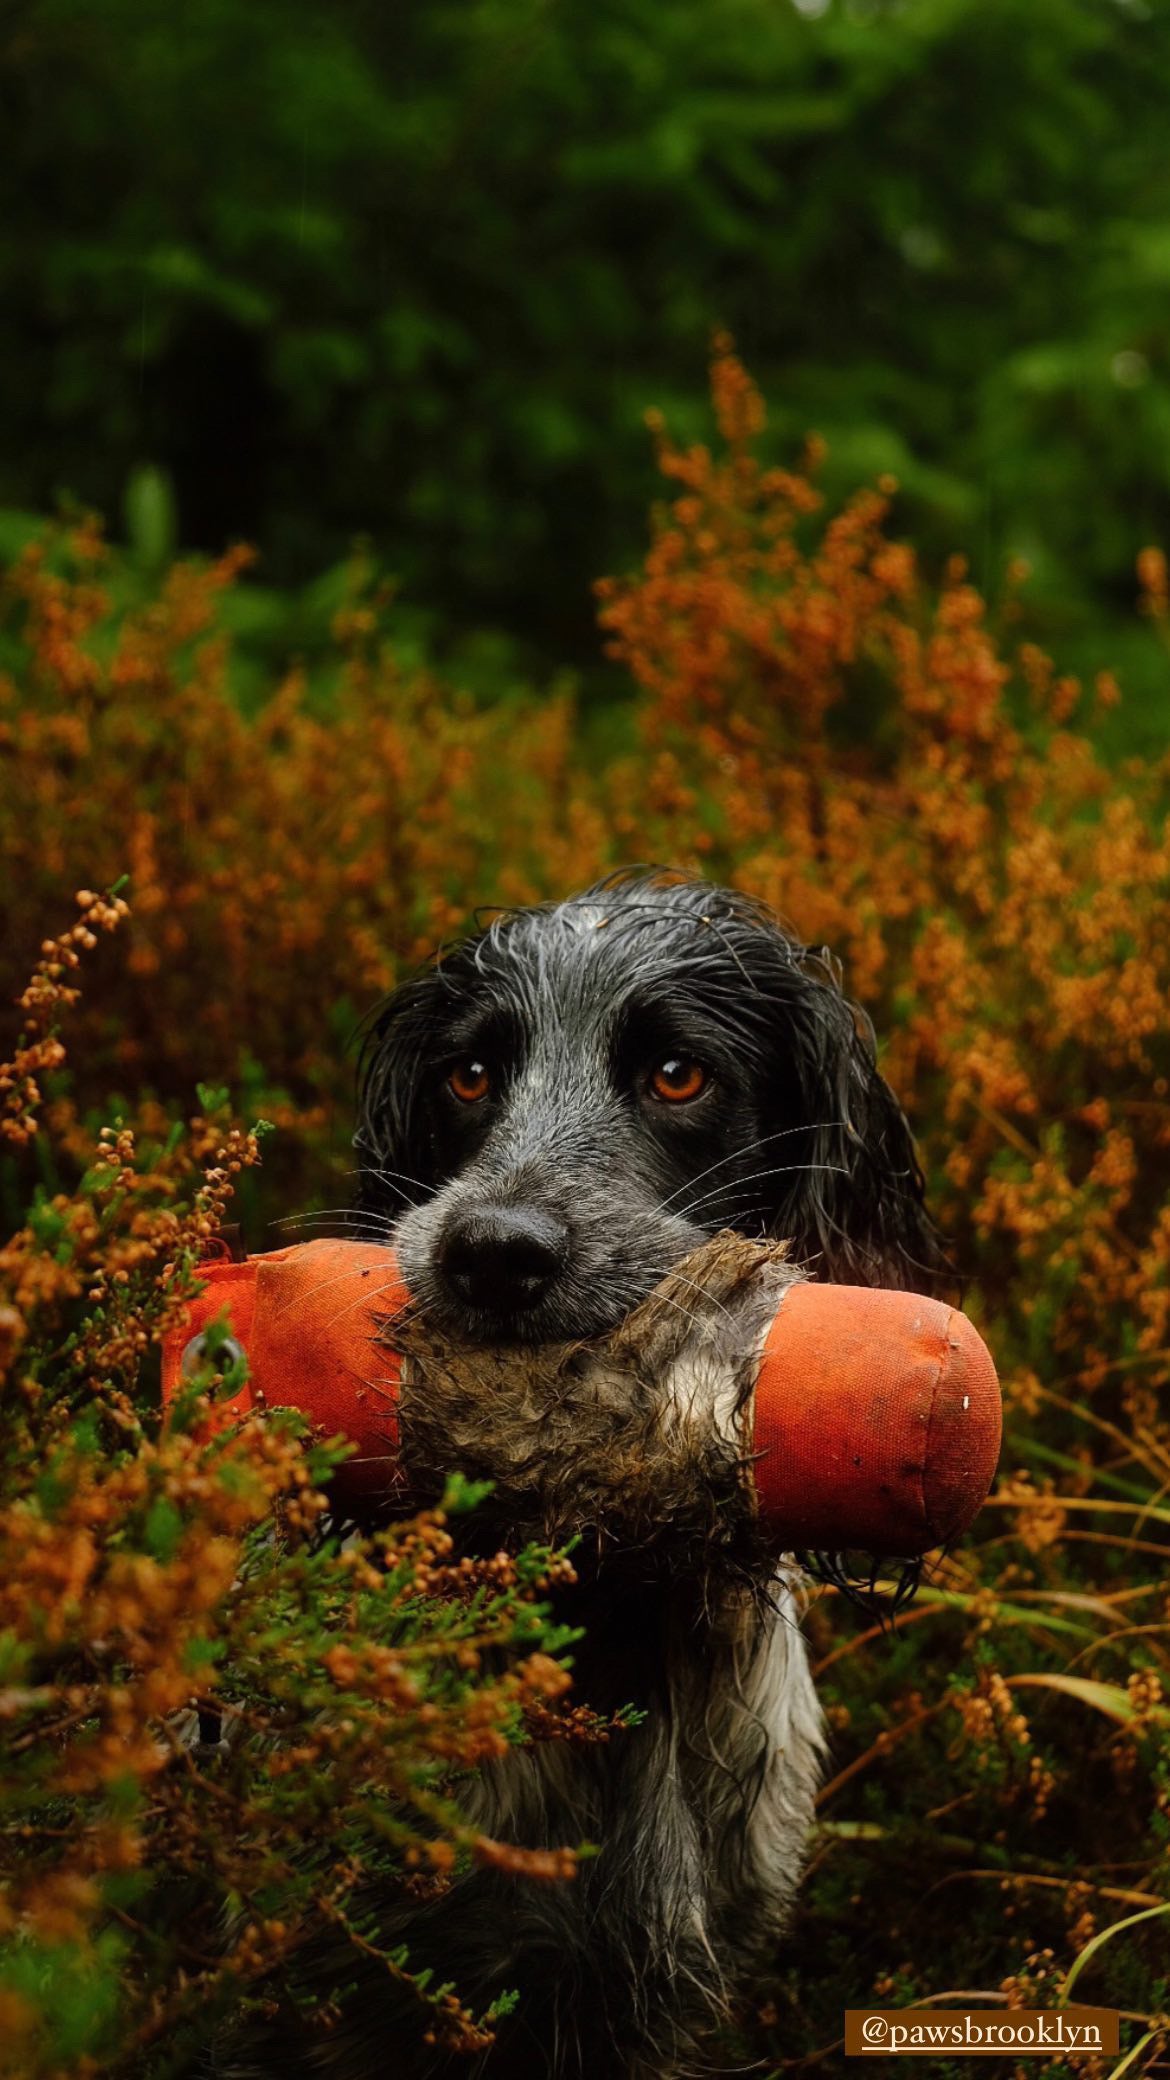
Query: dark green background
point(299, 272)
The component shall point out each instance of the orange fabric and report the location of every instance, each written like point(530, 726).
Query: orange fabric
point(877, 1415)
point(231, 1292)
point(877, 1421)
point(307, 1317)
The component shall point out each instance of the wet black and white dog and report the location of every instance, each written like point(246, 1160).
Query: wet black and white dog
point(552, 1115)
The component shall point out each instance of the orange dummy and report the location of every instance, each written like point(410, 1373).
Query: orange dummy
point(875, 1416)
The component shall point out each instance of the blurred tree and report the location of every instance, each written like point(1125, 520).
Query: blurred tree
point(415, 271)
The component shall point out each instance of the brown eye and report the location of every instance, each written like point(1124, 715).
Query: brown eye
point(470, 1082)
point(677, 1079)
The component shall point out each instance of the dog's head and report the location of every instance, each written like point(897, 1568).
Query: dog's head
point(560, 1108)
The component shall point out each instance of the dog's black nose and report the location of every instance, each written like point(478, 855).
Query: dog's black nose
point(503, 1258)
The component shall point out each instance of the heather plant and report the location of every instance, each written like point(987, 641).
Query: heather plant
point(819, 726)
point(219, 1722)
point(908, 783)
point(327, 843)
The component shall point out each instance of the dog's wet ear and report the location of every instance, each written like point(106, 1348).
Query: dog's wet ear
point(879, 1589)
point(902, 1232)
point(392, 1139)
point(860, 1213)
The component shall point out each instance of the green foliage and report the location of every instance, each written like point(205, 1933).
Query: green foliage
point(415, 272)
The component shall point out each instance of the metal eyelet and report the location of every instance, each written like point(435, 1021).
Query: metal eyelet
point(197, 1355)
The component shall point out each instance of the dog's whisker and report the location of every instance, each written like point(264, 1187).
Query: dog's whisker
point(688, 1314)
point(737, 1187)
point(352, 1216)
point(403, 1176)
point(749, 1148)
point(412, 1315)
point(337, 1278)
point(695, 1287)
point(391, 1285)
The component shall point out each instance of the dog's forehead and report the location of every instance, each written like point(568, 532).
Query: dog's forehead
point(585, 961)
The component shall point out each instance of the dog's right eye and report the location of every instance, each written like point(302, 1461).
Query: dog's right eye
point(469, 1081)
point(677, 1080)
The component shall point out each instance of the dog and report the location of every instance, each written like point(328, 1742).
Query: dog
point(553, 1116)
point(561, 1107)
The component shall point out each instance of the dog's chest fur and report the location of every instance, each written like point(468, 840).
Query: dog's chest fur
point(702, 1815)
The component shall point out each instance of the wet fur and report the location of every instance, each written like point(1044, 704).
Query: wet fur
point(639, 1447)
point(631, 1436)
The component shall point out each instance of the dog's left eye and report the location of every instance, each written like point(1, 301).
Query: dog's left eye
point(677, 1079)
point(469, 1081)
